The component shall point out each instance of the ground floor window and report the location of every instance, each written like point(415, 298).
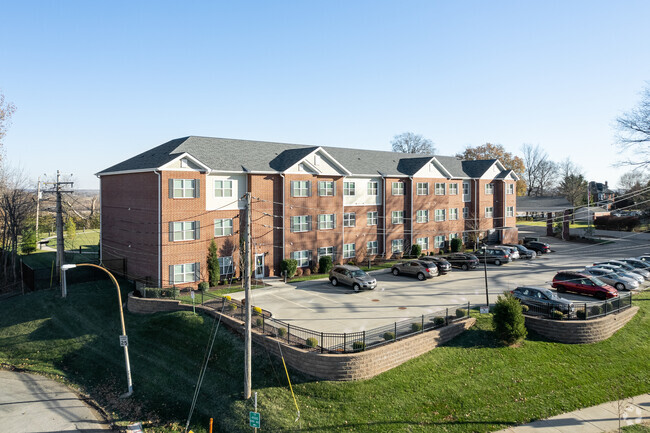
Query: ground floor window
point(423, 243)
point(302, 257)
point(397, 246)
point(348, 251)
point(372, 248)
point(326, 251)
point(439, 242)
point(185, 273)
point(510, 211)
point(225, 266)
point(489, 212)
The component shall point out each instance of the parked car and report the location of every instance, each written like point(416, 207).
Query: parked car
point(645, 274)
point(619, 282)
point(514, 252)
point(566, 281)
point(543, 300)
point(497, 256)
point(639, 264)
point(464, 261)
point(352, 276)
point(419, 268)
point(442, 264)
point(622, 272)
point(538, 247)
point(644, 257)
point(524, 252)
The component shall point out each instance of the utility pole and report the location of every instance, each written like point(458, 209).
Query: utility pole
point(60, 247)
point(38, 204)
point(247, 291)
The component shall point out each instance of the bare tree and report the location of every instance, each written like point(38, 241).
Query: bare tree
point(409, 142)
point(633, 180)
point(6, 110)
point(540, 171)
point(634, 132)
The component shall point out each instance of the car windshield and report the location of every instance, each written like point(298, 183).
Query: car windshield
point(358, 273)
point(597, 281)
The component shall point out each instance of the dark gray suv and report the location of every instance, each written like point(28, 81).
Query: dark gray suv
point(352, 276)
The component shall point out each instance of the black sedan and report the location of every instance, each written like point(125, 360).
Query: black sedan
point(443, 265)
point(524, 253)
point(463, 261)
point(538, 247)
point(542, 300)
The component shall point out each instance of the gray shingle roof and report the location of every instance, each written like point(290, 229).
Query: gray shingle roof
point(542, 204)
point(225, 154)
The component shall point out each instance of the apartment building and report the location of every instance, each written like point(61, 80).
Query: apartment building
point(161, 209)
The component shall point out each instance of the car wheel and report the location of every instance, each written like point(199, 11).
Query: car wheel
point(533, 255)
point(620, 286)
point(356, 287)
point(334, 281)
point(421, 276)
point(464, 267)
point(395, 271)
point(497, 262)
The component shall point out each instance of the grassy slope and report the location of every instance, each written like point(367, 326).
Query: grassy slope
point(472, 384)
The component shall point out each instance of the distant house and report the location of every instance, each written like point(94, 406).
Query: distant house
point(161, 209)
point(601, 195)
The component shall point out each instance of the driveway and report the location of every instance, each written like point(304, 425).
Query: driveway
point(319, 306)
point(35, 404)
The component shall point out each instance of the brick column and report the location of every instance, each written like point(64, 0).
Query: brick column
point(565, 224)
point(549, 224)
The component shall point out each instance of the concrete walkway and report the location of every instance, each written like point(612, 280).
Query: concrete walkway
point(595, 419)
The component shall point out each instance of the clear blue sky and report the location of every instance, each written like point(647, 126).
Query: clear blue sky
point(98, 82)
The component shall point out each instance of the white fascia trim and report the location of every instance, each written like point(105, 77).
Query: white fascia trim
point(440, 167)
point(331, 158)
point(310, 165)
point(181, 156)
point(140, 170)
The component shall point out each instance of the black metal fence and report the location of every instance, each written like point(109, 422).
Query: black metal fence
point(582, 310)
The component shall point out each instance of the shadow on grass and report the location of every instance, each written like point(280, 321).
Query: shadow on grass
point(434, 426)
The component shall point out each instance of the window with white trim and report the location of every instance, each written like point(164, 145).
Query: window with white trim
point(372, 248)
point(439, 242)
point(349, 188)
point(184, 188)
point(489, 188)
point(453, 189)
point(489, 212)
point(397, 245)
point(185, 273)
point(326, 251)
point(301, 223)
point(373, 218)
point(423, 243)
point(422, 216)
point(453, 236)
point(349, 219)
point(373, 188)
point(397, 217)
point(223, 188)
point(349, 251)
point(440, 214)
point(326, 221)
point(185, 230)
point(326, 188)
point(300, 188)
point(223, 227)
point(465, 237)
point(465, 212)
point(510, 189)
point(453, 214)
point(225, 266)
point(302, 257)
point(440, 188)
point(466, 194)
point(510, 211)
point(184, 163)
point(398, 188)
point(422, 188)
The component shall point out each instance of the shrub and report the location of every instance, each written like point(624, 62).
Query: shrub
point(461, 312)
point(213, 264)
point(438, 321)
point(282, 332)
point(416, 250)
point(359, 345)
point(581, 314)
point(289, 266)
point(389, 336)
point(525, 308)
point(298, 272)
point(456, 245)
point(508, 320)
point(156, 292)
point(203, 286)
point(312, 342)
point(232, 307)
point(595, 310)
point(324, 265)
point(351, 262)
point(416, 326)
point(557, 314)
point(259, 322)
point(306, 272)
point(227, 298)
point(28, 243)
point(257, 310)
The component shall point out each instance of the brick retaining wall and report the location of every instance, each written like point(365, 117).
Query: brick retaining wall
point(349, 366)
point(581, 331)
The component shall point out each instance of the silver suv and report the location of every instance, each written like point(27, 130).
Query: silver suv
point(352, 276)
point(419, 268)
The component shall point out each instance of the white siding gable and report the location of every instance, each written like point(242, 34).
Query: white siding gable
point(361, 197)
point(431, 170)
point(318, 162)
point(232, 202)
point(492, 172)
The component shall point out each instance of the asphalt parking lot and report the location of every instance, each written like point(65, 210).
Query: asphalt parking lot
point(319, 306)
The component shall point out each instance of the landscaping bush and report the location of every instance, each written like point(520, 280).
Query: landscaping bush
point(508, 319)
point(227, 298)
point(312, 342)
point(389, 336)
point(456, 245)
point(351, 262)
point(257, 310)
point(525, 308)
point(213, 264)
point(461, 312)
point(416, 250)
point(259, 322)
point(610, 222)
point(204, 286)
point(282, 332)
point(438, 321)
point(557, 314)
point(581, 314)
point(415, 327)
point(157, 292)
point(232, 307)
point(306, 272)
point(595, 310)
point(324, 265)
point(289, 266)
point(359, 345)
point(298, 272)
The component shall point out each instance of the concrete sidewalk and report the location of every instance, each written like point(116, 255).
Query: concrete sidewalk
point(595, 419)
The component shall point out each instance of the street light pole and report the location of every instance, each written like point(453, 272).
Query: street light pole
point(123, 338)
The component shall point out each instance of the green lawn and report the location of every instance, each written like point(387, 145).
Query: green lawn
point(88, 239)
point(574, 225)
point(472, 384)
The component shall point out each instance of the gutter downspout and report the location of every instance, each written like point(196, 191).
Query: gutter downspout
point(384, 217)
point(411, 197)
point(159, 226)
point(476, 220)
point(101, 204)
point(283, 206)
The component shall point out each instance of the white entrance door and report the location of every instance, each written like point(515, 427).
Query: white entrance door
point(259, 265)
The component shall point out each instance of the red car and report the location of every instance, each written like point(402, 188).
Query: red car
point(583, 284)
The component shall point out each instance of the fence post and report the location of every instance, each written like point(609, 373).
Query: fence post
point(395, 331)
point(446, 316)
point(364, 340)
point(423, 323)
point(345, 338)
point(321, 342)
point(586, 311)
point(288, 333)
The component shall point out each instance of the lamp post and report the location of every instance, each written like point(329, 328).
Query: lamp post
point(124, 342)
